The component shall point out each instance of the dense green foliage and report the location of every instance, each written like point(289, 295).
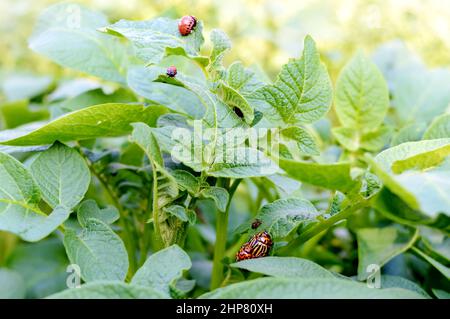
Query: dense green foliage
point(150, 183)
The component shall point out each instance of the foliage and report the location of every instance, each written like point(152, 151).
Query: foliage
point(142, 179)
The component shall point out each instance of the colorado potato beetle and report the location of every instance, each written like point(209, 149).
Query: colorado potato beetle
point(245, 252)
point(261, 244)
point(171, 71)
point(186, 25)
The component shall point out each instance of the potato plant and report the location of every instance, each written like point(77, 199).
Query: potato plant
point(138, 181)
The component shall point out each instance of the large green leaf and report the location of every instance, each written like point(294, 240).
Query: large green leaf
point(281, 217)
point(242, 79)
point(62, 175)
point(334, 176)
point(302, 92)
point(388, 281)
point(108, 290)
point(439, 128)
point(19, 198)
point(303, 140)
point(103, 120)
point(12, 285)
point(284, 267)
point(89, 98)
point(242, 162)
point(66, 33)
point(379, 245)
point(179, 99)
point(162, 268)
point(98, 251)
point(362, 96)
point(308, 288)
point(151, 38)
point(417, 173)
point(186, 181)
point(420, 94)
point(219, 195)
point(353, 140)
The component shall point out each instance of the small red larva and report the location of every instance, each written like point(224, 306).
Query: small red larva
point(171, 71)
point(186, 25)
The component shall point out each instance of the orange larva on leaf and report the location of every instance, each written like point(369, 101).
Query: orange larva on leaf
point(186, 25)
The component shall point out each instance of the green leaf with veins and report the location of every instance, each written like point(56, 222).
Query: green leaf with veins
point(103, 120)
point(62, 175)
point(389, 281)
point(177, 98)
point(66, 33)
point(234, 99)
point(362, 97)
point(89, 209)
point(219, 195)
point(335, 176)
point(302, 139)
point(150, 38)
point(242, 79)
point(309, 288)
point(221, 44)
point(284, 267)
point(301, 94)
point(242, 162)
point(19, 198)
point(108, 290)
point(186, 181)
point(281, 217)
point(162, 268)
point(352, 140)
point(177, 211)
point(98, 251)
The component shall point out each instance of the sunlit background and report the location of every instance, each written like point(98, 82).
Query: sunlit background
point(264, 32)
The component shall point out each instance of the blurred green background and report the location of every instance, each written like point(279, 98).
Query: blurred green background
point(264, 32)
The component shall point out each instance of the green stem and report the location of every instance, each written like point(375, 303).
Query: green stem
point(221, 237)
point(155, 210)
point(323, 225)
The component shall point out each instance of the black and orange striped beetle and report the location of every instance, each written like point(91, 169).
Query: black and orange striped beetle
point(186, 25)
point(245, 252)
point(261, 244)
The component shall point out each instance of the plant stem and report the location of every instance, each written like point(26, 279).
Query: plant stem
point(323, 225)
point(221, 237)
point(155, 210)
